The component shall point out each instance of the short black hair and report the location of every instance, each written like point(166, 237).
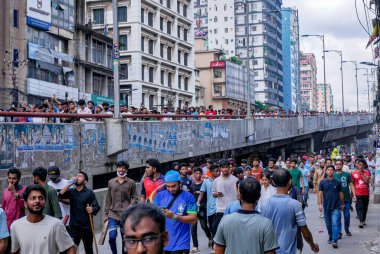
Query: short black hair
point(244, 161)
point(256, 159)
point(224, 162)
point(175, 164)
point(65, 103)
point(122, 163)
point(281, 177)
point(81, 102)
point(272, 159)
point(154, 163)
point(341, 160)
point(328, 159)
point(294, 160)
point(84, 174)
point(198, 170)
point(14, 171)
point(250, 190)
point(144, 210)
point(330, 166)
point(31, 188)
point(238, 170)
point(182, 165)
point(41, 173)
point(213, 167)
point(266, 175)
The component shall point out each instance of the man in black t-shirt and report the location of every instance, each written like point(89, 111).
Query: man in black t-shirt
point(195, 189)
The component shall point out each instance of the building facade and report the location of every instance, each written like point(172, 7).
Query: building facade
point(156, 40)
point(290, 51)
point(224, 82)
point(308, 82)
point(321, 98)
point(223, 23)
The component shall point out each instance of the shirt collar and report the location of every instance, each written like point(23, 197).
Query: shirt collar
point(247, 211)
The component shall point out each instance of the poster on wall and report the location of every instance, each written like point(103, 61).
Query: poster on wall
point(6, 146)
point(39, 13)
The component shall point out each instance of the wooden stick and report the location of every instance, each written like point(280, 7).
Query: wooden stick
point(93, 233)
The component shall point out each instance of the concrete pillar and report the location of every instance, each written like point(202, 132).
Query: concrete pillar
point(311, 148)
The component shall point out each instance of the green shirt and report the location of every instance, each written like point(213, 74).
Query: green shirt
point(296, 175)
point(346, 179)
point(51, 203)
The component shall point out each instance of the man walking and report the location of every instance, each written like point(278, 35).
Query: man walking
point(331, 195)
point(286, 215)
point(121, 194)
point(180, 210)
point(195, 189)
point(37, 232)
point(246, 231)
point(346, 180)
point(51, 203)
point(305, 170)
point(83, 204)
point(153, 182)
point(58, 183)
point(361, 179)
point(297, 178)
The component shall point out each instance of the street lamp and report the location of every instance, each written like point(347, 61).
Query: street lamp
point(322, 38)
point(357, 85)
point(368, 63)
point(341, 72)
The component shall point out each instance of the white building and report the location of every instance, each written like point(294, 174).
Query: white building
point(156, 40)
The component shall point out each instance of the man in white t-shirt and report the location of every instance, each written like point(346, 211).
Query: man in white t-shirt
point(39, 233)
point(224, 191)
point(83, 110)
point(59, 183)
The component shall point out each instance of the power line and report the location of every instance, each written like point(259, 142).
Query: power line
point(357, 15)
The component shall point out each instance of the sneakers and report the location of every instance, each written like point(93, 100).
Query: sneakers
point(321, 215)
point(348, 233)
point(364, 224)
point(209, 243)
point(340, 236)
point(361, 225)
point(194, 250)
point(329, 241)
point(335, 245)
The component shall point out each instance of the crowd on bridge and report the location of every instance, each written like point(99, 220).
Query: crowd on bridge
point(74, 110)
point(241, 207)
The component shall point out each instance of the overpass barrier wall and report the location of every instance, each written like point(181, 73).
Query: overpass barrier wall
point(86, 145)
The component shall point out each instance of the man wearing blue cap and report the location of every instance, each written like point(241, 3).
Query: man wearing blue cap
point(180, 210)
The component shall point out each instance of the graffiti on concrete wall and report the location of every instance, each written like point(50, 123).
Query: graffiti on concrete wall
point(93, 143)
point(6, 146)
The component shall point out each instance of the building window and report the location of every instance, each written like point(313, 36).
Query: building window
point(109, 57)
point(185, 34)
point(98, 52)
point(169, 53)
point(142, 72)
point(179, 32)
point(161, 23)
point(225, 18)
point(123, 71)
point(185, 10)
point(185, 58)
point(226, 41)
point(169, 27)
point(151, 102)
point(123, 41)
point(15, 58)
point(168, 4)
point(142, 15)
point(97, 81)
point(215, 31)
point(186, 83)
point(226, 30)
point(150, 19)
point(151, 46)
point(15, 18)
point(122, 14)
point(162, 77)
point(215, 19)
point(217, 89)
point(179, 56)
point(151, 74)
point(110, 88)
point(170, 79)
point(179, 82)
point(142, 44)
point(218, 73)
point(162, 50)
point(225, 7)
point(98, 16)
point(178, 6)
point(162, 101)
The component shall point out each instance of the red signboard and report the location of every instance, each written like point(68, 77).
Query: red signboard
point(218, 64)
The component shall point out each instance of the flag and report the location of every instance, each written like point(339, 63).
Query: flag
point(374, 34)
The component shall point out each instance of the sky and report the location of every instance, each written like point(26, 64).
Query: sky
point(337, 20)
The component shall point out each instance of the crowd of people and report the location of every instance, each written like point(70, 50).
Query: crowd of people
point(82, 107)
point(241, 208)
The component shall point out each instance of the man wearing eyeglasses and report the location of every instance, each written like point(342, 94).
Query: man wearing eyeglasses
point(144, 230)
point(180, 210)
point(347, 183)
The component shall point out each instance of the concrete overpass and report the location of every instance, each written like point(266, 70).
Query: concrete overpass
point(95, 146)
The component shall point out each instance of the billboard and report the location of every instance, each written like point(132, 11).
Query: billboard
point(218, 64)
point(39, 13)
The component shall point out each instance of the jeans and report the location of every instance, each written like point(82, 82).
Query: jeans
point(202, 217)
point(217, 218)
point(82, 234)
point(210, 220)
point(362, 207)
point(112, 234)
point(306, 195)
point(346, 215)
point(332, 218)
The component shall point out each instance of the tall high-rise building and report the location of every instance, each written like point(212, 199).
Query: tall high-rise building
point(290, 52)
point(321, 98)
point(308, 82)
point(223, 23)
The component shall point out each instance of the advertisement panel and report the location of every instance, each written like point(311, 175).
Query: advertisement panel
point(217, 64)
point(39, 13)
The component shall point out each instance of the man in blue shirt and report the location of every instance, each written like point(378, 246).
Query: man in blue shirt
point(305, 170)
point(331, 194)
point(180, 210)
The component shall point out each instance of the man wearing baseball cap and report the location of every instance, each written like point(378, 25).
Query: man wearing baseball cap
point(180, 210)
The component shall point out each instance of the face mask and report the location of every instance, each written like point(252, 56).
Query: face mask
point(121, 175)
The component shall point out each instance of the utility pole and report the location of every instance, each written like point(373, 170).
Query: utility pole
point(248, 69)
point(116, 56)
point(341, 73)
point(299, 64)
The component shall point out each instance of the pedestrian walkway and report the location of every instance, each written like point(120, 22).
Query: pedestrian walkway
point(353, 244)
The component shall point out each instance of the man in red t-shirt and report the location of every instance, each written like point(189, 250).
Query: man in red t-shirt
point(257, 171)
point(361, 179)
point(211, 111)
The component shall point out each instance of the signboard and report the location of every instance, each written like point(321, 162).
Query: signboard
point(218, 64)
point(97, 99)
point(39, 13)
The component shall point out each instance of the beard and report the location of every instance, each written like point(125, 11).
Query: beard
point(31, 211)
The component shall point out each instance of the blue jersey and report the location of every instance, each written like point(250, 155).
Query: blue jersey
point(179, 232)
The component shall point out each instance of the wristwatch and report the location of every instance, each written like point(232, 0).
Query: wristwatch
point(175, 217)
